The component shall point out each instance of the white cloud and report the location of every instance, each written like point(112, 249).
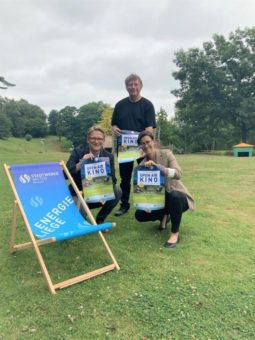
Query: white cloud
point(64, 52)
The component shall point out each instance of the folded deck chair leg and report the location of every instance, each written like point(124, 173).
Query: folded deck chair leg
point(109, 250)
point(14, 226)
point(44, 269)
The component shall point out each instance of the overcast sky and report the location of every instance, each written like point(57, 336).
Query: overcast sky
point(72, 52)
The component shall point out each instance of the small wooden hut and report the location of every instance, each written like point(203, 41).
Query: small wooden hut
point(243, 150)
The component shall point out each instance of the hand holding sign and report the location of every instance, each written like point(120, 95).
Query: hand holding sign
point(150, 163)
point(89, 156)
point(149, 184)
point(128, 149)
point(96, 179)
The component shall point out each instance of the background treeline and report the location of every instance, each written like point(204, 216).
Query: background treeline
point(215, 106)
point(18, 118)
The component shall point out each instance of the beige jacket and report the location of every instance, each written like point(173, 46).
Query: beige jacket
point(168, 160)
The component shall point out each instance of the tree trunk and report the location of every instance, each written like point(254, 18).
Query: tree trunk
point(244, 133)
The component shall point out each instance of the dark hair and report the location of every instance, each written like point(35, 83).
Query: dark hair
point(143, 134)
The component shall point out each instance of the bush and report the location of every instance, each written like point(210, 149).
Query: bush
point(28, 137)
point(66, 144)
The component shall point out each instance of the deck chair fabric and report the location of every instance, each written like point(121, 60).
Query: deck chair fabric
point(49, 212)
point(48, 204)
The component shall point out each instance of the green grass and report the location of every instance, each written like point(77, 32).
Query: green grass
point(203, 289)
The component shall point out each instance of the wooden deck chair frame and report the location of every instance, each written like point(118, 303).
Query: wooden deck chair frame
point(35, 244)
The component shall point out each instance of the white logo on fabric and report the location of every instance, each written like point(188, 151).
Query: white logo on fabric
point(36, 201)
point(24, 178)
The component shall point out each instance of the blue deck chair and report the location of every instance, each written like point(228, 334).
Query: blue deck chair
point(50, 214)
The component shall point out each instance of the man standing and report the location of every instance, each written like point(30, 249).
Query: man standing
point(133, 113)
point(95, 140)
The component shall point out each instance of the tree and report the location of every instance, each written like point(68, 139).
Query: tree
point(88, 115)
point(201, 102)
point(35, 121)
point(53, 122)
point(5, 126)
point(5, 123)
point(25, 118)
point(162, 126)
point(105, 122)
point(168, 131)
point(66, 122)
point(15, 115)
point(216, 89)
point(237, 59)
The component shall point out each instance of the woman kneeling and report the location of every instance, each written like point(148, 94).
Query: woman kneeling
point(177, 197)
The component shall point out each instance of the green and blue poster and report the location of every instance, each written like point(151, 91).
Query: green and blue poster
point(97, 180)
point(149, 188)
point(127, 147)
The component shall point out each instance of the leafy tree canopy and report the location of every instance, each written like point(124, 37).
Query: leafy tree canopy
point(53, 121)
point(217, 89)
point(106, 118)
point(24, 118)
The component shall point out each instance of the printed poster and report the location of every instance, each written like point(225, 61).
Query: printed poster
point(97, 180)
point(149, 188)
point(127, 147)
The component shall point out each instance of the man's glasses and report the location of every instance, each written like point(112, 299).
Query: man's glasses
point(94, 139)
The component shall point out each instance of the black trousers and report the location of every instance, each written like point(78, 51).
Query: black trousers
point(175, 205)
point(106, 208)
point(126, 170)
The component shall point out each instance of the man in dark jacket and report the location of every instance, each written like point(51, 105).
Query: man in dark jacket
point(95, 140)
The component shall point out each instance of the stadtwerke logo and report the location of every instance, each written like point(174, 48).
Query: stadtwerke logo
point(24, 178)
point(36, 201)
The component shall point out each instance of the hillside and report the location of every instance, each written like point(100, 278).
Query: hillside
point(47, 149)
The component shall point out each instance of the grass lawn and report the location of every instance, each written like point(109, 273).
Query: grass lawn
point(203, 289)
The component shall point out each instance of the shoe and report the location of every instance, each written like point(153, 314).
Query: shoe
point(163, 223)
point(121, 211)
point(171, 245)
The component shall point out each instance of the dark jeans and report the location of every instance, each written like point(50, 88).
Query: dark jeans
point(106, 208)
point(175, 205)
point(126, 170)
